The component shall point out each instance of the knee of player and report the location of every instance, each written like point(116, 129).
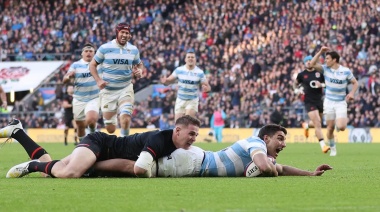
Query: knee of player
point(125, 119)
point(92, 121)
point(342, 128)
point(330, 128)
point(317, 124)
point(110, 129)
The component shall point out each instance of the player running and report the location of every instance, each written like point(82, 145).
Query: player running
point(337, 78)
point(313, 83)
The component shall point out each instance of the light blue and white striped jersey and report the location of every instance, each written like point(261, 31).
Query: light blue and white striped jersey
point(117, 62)
point(189, 81)
point(231, 161)
point(336, 82)
point(85, 88)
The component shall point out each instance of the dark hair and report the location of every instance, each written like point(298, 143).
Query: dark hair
point(334, 55)
point(88, 45)
point(187, 120)
point(270, 130)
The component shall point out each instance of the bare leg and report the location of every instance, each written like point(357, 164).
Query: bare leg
point(109, 126)
point(341, 123)
point(125, 121)
point(116, 165)
point(81, 128)
point(75, 165)
point(91, 119)
point(316, 119)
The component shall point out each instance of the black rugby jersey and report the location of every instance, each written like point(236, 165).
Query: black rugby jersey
point(307, 80)
point(157, 143)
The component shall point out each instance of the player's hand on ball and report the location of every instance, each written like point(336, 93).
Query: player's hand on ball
point(271, 159)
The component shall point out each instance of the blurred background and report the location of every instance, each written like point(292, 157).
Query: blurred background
point(250, 50)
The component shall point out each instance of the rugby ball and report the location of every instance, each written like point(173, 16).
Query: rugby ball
point(251, 170)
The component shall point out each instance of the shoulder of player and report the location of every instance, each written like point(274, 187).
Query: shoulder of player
point(301, 73)
point(344, 68)
point(252, 139)
point(131, 46)
point(161, 133)
point(107, 45)
point(199, 69)
point(78, 62)
point(180, 68)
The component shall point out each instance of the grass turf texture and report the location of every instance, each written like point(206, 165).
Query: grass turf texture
point(353, 185)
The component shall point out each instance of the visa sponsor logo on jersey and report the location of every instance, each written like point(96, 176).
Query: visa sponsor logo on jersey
point(120, 61)
point(86, 75)
point(189, 82)
point(336, 81)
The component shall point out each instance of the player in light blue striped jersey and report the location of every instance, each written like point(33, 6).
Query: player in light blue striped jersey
point(337, 78)
point(86, 92)
point(229, 162)
point(233, 160)
point(189, 78)
point(120, 62)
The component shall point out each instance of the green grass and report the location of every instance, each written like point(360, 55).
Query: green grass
point(353, 185)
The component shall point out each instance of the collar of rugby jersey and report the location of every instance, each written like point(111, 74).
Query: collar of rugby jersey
point(120, 46)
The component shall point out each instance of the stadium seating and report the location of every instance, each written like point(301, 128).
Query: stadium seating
point(250, 50)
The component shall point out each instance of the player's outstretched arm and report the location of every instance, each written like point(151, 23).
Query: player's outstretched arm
point(284, 170)
point(314, 62)
point(168, 80)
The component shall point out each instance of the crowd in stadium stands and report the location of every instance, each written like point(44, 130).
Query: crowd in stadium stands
point(251, 50)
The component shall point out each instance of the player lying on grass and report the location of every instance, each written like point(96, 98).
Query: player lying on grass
point(231, 161)
point(144, 148)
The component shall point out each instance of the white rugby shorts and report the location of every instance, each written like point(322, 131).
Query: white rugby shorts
point(182, 105)
point(110, 100)
point(334, 109)
point(80, 108)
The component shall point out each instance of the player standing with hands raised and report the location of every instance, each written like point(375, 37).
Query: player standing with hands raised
point(337, 78)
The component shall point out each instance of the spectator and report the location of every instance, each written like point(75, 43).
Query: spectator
point(277, 116)
point(217, 123)
point(257, 48)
